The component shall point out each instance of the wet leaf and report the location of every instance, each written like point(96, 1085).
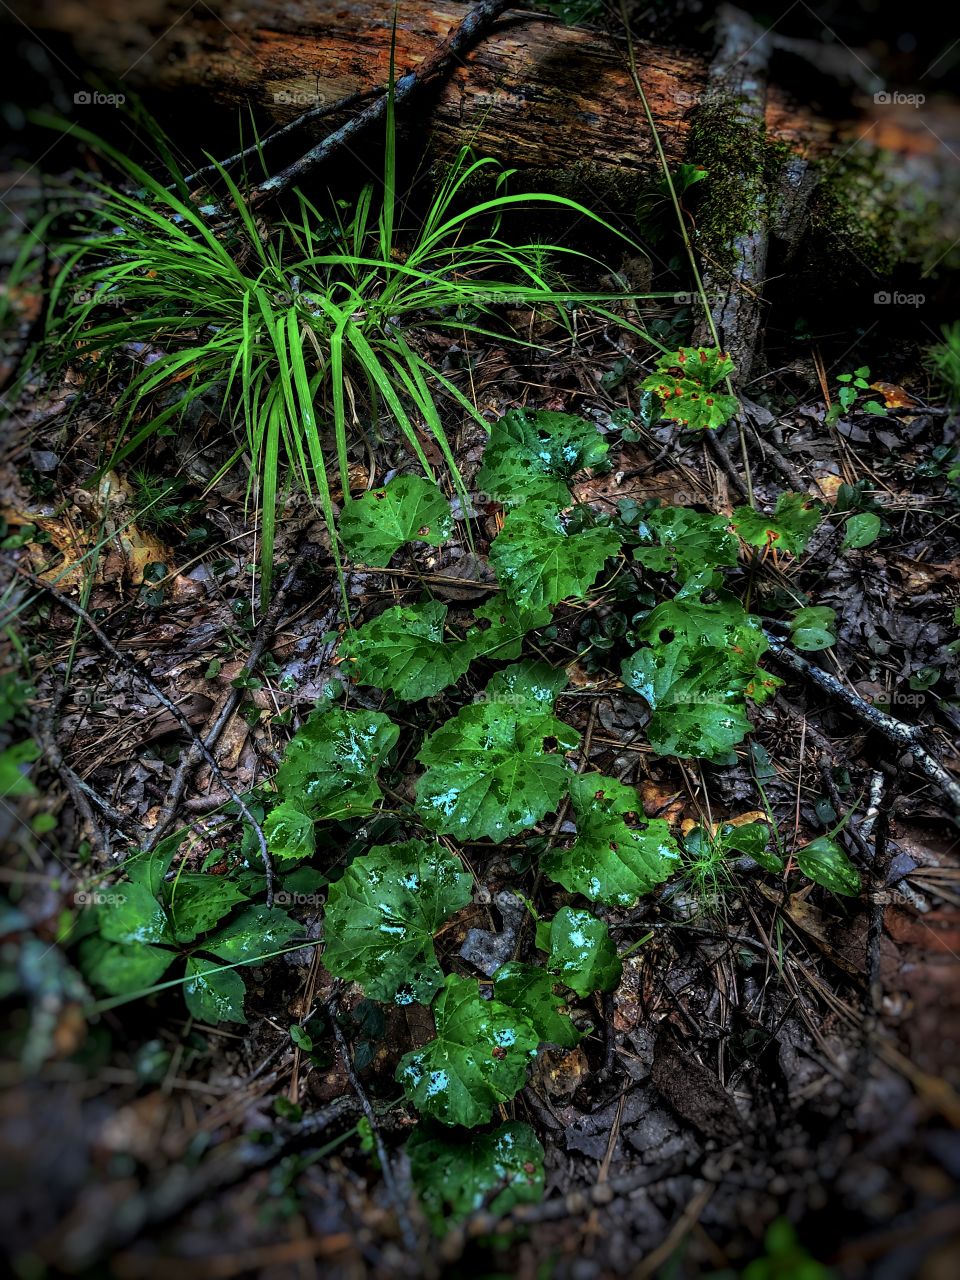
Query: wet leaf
point(479, 1058)
point(686, 384)
point(611, 861)
point(678, 540)
point(408, 509)
point(458, 1174)
point(382, 914)
point(861, 530)
point(212, 993)
point(581, 951)
point(330, 767)
point(788, 529)
point(540, 562)
point(532, 991)
point(534, 453)
point(405, 650)
point(826, 864)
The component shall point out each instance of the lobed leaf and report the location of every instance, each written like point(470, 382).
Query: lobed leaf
point(408, 509)
point(478, 1059)
point(532, 991)
point(329, 767)
point(458, 1174)
point(534, 453)
point(685, 383)
point(382, 914)
point(581, 951)
point(617, 856)
point(404, 650)
point(788, 529)
point(540, 561)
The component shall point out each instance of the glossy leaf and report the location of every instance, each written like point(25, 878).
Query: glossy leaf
point(289, 832)
point(478, 1059)
point(458, 1174)
point(501, 639)
point(406, 650)
point(123, 970)
point(540, 561)
point(198, 902)
point(493, 770)
point(861, 530)
point(408, 509)
point(257, 931)
point(581, 951)
point(678, 540)
point(617, 856)
point(826, 864)
point(212, 993)
point(382, 914)
point(330, 767)
point(534, 453)
point(532, 991)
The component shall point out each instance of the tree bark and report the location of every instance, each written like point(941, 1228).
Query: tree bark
point(555, 102)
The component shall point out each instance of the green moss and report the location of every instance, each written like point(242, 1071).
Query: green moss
point(880, 219)
point(741, 164)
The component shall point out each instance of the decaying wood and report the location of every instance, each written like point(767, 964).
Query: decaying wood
point(534, 92)
point(738, 82)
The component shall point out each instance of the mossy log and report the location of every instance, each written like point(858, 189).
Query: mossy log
point(555, 102)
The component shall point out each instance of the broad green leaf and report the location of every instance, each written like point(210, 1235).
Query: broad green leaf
point(408, 509)
point(826, 863)
point(479, 1058)
point(611, 861)
point(534, 453)
point(330, 767)
point(213, 994)
point(493, 770)
point(527, 686)
point(540, 562)
point(750, 838)
point(256, 932)
point(502, 638)
point(682, 541)
point(581, 951)
point(458, 1174)
point(198, 902)
point(812, 628)
point(382, 914)
point(531, 991)
point(404, 650)
point(788, 529)
point(290, 833)
point(861, 530)
point(123, 970)
point(696, 697)
point(686, 384)
point(722, 624)
point(132, 915)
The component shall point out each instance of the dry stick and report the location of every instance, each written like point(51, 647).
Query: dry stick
point(189, 762)
point(474, 25)
point(313, 113)
point(905, 735)
point(46, 732)
point(389, 1178)
point(97, 1236)
point(142, 675)
point(600, 1195)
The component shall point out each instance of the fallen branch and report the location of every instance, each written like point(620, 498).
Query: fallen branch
point(97, 1237)
point(908, 736)
point(145, 678)
point(473, 26)
point(386, 1167)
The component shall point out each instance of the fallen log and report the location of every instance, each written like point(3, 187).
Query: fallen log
point(555, 102)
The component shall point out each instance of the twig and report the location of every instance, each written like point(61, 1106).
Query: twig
point(907, 736)
point(99, 1236)
point(313, 113)
point(144, 676)
point(46, 732)
point(571, 1205)
point(389, 1177)
point(474, 25)
point(189, 762)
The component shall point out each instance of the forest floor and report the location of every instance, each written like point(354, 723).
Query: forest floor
point(773, 1051)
